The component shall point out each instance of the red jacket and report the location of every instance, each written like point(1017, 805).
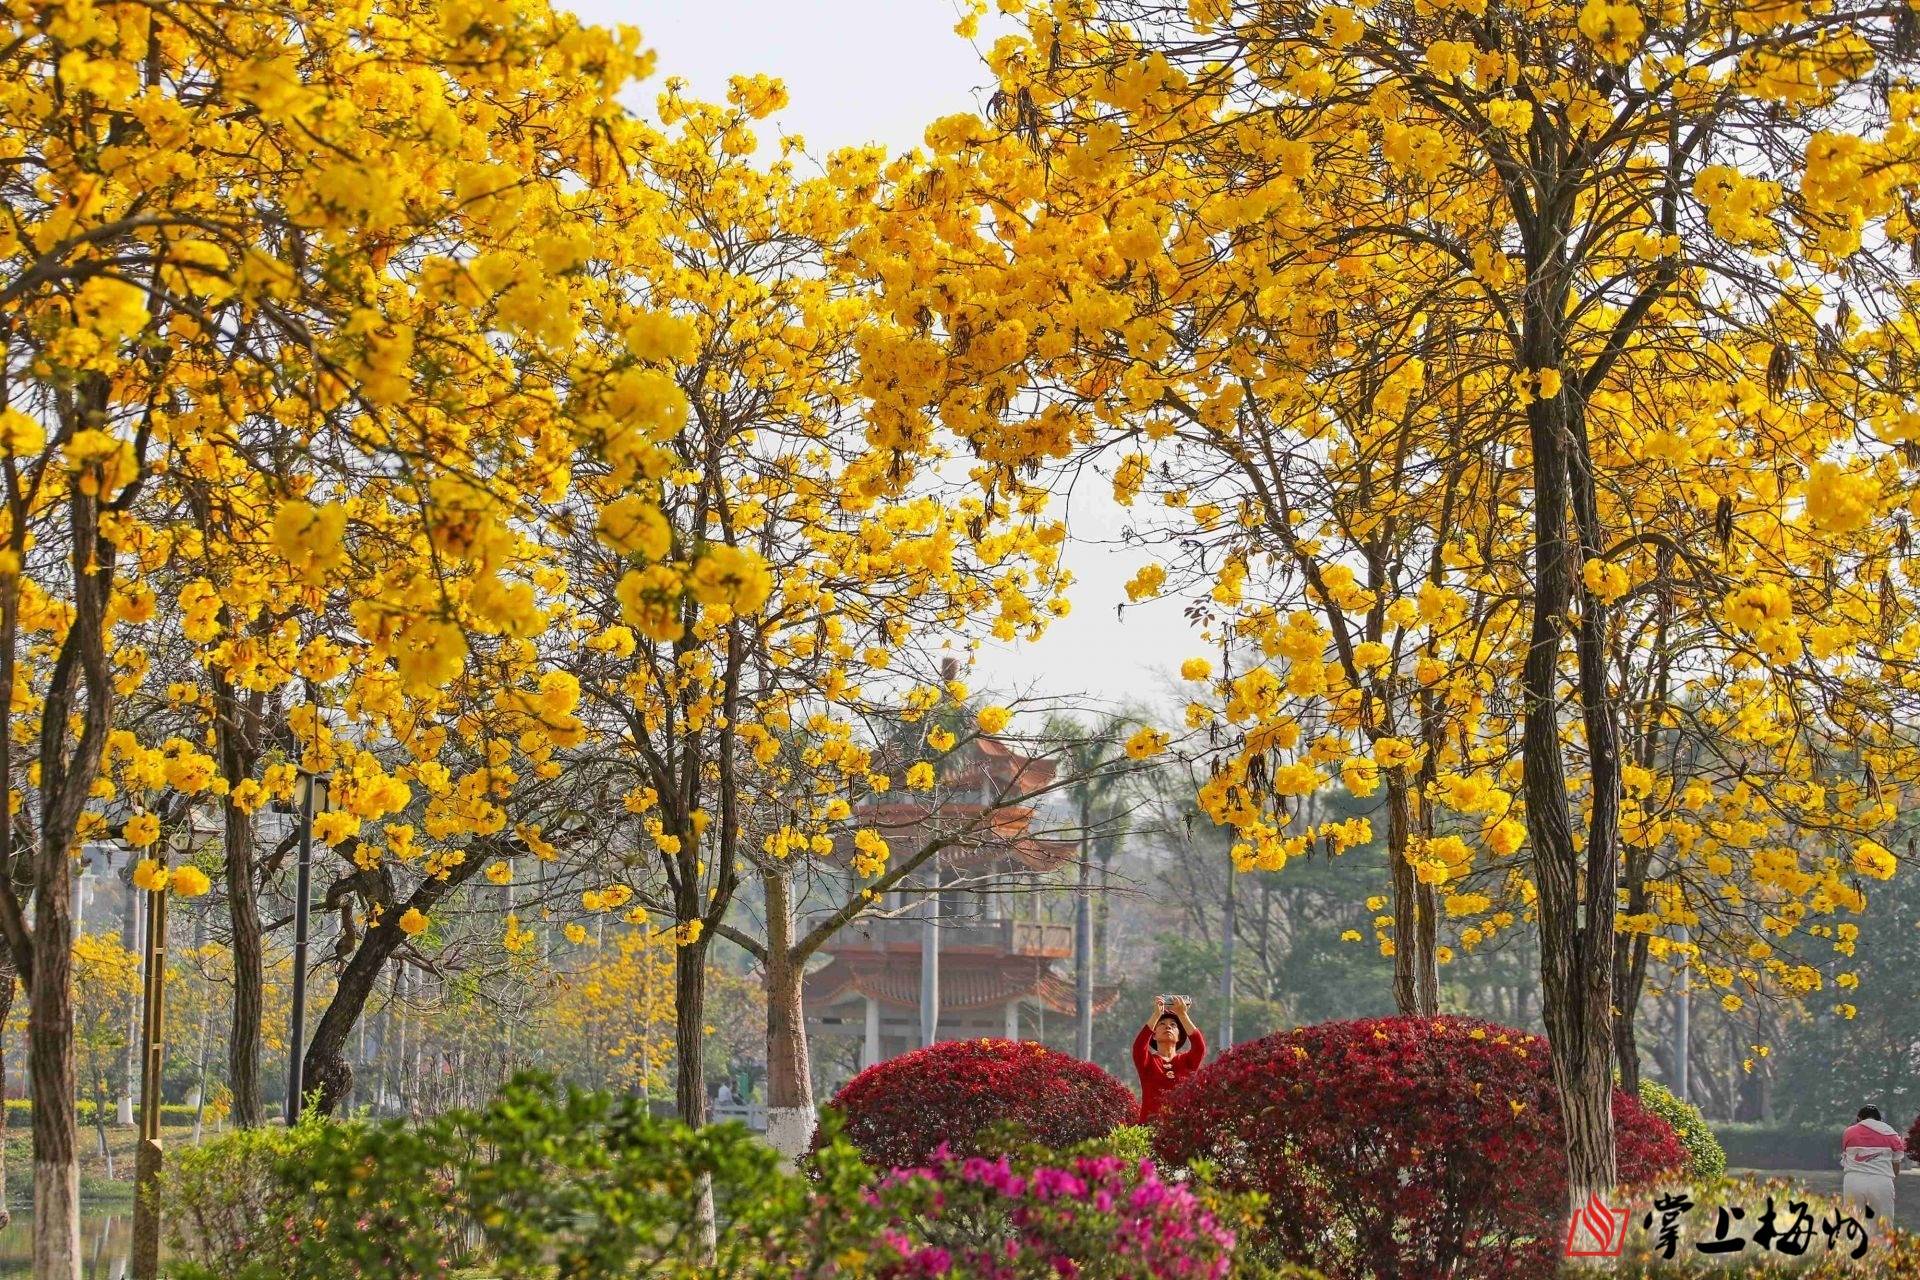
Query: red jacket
point(1161, 1076)
point(1871, 1147)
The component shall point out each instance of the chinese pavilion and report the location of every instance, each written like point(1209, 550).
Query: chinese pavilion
point(962, 951)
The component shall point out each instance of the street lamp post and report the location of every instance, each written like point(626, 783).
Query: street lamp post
point(302, 894)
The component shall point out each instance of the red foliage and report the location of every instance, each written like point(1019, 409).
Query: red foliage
point(1913, 1140)
point(1400, 1148)
point(900, 1111)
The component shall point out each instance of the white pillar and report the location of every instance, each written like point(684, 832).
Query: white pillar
point(1682, 1030)
point(1013, 1019)
point(930, 967)
point(870, 1052)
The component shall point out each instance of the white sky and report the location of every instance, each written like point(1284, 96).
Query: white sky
point(879, 71)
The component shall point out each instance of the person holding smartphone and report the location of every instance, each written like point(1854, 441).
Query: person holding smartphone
point(1168, 1049)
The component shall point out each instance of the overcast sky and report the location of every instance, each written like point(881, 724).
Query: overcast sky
point(878, 71)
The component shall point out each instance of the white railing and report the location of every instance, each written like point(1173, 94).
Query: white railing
point(751, 1114)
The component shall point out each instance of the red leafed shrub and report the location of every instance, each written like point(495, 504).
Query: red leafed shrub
point(1913, 1140)
point(899, 1112)
point(1400, 1148)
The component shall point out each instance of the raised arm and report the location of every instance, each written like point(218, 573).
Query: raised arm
point(1196, 1051)
point(1143, 1039)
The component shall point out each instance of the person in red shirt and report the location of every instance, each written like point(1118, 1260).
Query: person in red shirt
point(1168, 1049)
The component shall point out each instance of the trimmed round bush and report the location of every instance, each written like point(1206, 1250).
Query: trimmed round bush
point(1706, 1158)
point(901, 1111)
point(1390, 1147)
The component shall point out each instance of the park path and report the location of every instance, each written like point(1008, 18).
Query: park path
point(1826, 1182)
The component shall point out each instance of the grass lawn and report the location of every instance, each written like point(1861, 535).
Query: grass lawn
point(95, 1185)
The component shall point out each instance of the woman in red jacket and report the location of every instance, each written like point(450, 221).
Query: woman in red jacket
point(1168, 1049)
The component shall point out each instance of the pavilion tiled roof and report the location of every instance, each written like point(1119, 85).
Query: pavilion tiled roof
point(967, 982)
point(981, 838)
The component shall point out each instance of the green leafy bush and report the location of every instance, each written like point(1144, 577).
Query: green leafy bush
point(547, 1182)
point(1706, 1159)
point(542, 1181)
point(230, 1214)
point(1773, 1146)
point(1129, 1142)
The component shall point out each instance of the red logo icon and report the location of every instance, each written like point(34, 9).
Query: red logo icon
point(1597, 1230)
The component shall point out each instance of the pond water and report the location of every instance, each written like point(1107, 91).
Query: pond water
point(106, 1242)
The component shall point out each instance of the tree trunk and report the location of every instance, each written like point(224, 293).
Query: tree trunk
point(1629, 979)
point(206, 1014)
point(325, 1067)
point(690, 1076)
point(249, 970)
point(690, 1031)
point(1576, 975)
point(236, 737)
point(1416, 980)
point(1426, 902)
point(1229, 927)
point(1753, 1102)
point(52, 1084)
point(8, 977)
point(100, 1099)
point(1101, 959)
point(790, 1114)
point(130, 1055)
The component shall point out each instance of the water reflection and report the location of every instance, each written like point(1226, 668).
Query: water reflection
point(106, 1242)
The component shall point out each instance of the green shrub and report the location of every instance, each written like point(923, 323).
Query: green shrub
point(1129, 1141)
point(229, 1211)
point(1706, 1159)
point(1774, 1146)
point(542, 1181)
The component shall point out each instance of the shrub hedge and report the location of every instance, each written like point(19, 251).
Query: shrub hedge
point(1706, 1159)
point(542, 1181)
point(230, 1215)
point(950, 1095)
point(1399, 1147)
point(1772, 1146)
point(552, 1182)
point(20, 1112)
point(974, 1216)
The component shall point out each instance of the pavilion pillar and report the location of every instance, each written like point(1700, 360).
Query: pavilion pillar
point(1013, 1019)
point(870, 1051)
point(930, 967)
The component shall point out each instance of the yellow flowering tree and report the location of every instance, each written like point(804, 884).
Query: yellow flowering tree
point(770, 566)
point(258, 260)
point(613, 1013)
point(1605, 266)
point(106, 976)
